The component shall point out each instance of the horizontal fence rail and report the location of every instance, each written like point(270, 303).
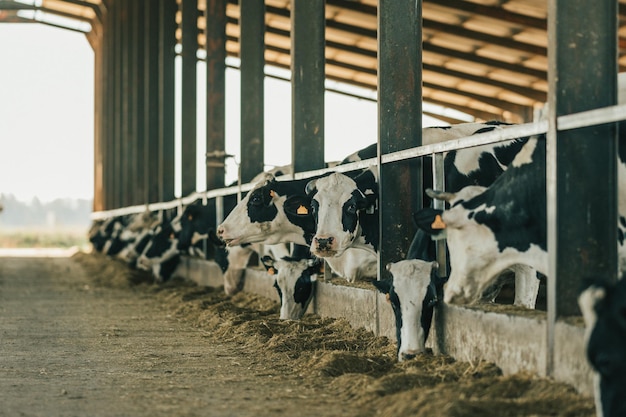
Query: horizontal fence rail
point(572, 121)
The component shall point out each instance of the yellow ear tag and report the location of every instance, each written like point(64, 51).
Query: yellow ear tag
point(272, 193)
point(271, 271)
point(387, 298)
point(438, 223)
point(302, 210)
point(190, 217)
point(172, 236)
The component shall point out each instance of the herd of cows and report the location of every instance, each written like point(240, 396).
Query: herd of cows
point(495, 223)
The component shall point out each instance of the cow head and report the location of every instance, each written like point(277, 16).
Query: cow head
point(162, 247)
point(338, 206)
point(270, 213)
point(295, 282)
point(195, 224)
point(412, 294)
point(604, 310)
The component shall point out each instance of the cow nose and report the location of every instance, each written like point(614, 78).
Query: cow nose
point(408, 356)
point(324, 243)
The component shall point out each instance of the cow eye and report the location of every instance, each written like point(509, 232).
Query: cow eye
point(351, 208)
point(256, 200)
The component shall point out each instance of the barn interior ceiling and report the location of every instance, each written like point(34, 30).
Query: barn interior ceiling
point(486, 58)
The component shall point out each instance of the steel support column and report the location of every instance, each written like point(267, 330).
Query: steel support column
point(189, 96)
point(109, 108)
point(400, 123)
point(127, 179)
point(151, 97)
point(307, 84)
point(137, 130)
point(167, 54)
point(216, 92)
point(581, 174)
point(117, 107)
point(252, 24)
point(99, 114)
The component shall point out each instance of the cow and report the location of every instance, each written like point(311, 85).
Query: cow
point(102, 232)
point(123, 243)
point(491, 229)
point(294, 280)
point(161, 255)
point(412, 293)
point(604, 310)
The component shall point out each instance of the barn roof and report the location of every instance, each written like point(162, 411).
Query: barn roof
point(487, 58)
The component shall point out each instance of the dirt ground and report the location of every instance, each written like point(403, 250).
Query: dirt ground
point(87, 336)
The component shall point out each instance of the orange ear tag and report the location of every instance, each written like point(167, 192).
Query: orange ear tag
point(272, 193)
point(190, 217)
point(271, 271)
point(438, 223)
point(172, 236)
point(388, 298)
point(302, 210)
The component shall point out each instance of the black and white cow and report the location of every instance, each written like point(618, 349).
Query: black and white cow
point(161, 255)
point(604, 310)
point(489, 230)
point(125, 245)
point(101, 232)
point(412, 280)
point(295, 281)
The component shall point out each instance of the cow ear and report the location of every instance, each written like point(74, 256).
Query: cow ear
point(311, 187)
point(298, 205)
point(384, 286)
point(268, 263)
point(430, 221)
point(440, 195)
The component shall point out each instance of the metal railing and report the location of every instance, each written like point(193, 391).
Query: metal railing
point(572, 121)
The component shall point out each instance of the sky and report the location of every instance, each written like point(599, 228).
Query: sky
point(46, 116)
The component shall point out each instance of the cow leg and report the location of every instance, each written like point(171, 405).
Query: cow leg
point(526, 286)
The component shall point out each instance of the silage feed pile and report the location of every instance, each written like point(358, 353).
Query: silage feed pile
point(351, 363)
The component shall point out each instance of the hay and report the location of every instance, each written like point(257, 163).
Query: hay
point(352, 363)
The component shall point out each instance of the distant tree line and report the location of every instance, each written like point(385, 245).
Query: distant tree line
point(57, 213)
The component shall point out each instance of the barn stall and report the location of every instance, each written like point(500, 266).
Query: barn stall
point(489, 60)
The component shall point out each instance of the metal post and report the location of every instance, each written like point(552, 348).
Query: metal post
point(151, 123)
point(138, 87)
point(189, 87)
point(399, 123)
point(581, 163)
point(307, 84)
point(167, 53)
point(252, 24)
point(216, 91)
point(119, 114)
point(439, 183)
point(99, 121)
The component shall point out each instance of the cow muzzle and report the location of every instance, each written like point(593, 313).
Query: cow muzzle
point(324, 246)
